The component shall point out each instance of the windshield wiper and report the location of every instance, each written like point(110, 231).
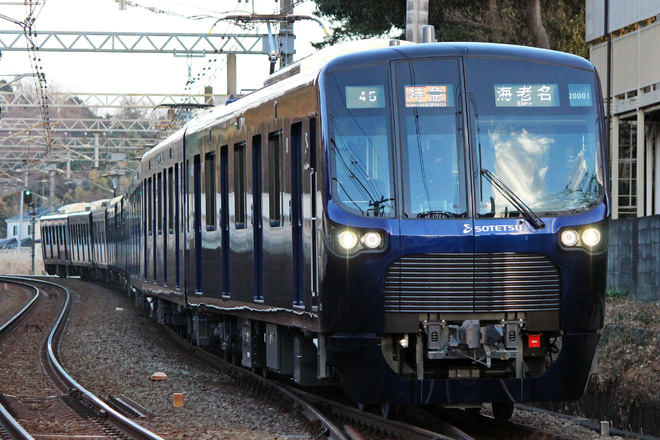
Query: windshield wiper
point(436, 214)
point(513, 199)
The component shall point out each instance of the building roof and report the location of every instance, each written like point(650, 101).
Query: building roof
point(28, 215)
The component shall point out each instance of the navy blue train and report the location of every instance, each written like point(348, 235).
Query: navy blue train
point(420, 223)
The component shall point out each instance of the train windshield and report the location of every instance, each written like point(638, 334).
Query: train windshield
point(531, 144)
point(359, 142)
point(430, 127)
point(535, 138)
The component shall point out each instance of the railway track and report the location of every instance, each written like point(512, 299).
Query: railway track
point(336, 420)
point(36, 389)
point(327, 419)
point(333, 419)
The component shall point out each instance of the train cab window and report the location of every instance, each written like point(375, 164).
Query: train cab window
point(536, 138)
point(360, 143)
point(428, 105)
point(275, 160)
point(240, 186)
point(210, 189)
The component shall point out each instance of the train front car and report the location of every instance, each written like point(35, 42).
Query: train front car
point(466, 223)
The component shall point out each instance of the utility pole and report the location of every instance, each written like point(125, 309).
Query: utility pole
point(286, 34)
point(417, 16)
point(231, 74)
point(34, 224)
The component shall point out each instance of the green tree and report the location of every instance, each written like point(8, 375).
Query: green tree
point(555, 24)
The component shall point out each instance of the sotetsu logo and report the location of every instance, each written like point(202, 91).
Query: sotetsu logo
point(467, 228)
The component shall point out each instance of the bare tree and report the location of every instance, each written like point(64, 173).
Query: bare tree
point(535, 24)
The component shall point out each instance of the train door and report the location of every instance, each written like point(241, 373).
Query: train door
point(296, 214)
point(197, 222)
point(159, 236)
point(242, 258)
point(165, 204)
point(436, 231)
point(178, 202)
point(146, 227)
point(313, 260)
point(276, 247)
point(224, 218)
point(211, 252)
point(154, 231)
point(257, 227)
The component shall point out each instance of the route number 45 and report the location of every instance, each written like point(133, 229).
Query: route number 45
point(370, 95)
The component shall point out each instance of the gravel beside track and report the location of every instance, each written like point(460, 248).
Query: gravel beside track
point(12, 300)
point(112, 348)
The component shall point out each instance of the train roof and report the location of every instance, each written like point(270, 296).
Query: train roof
point(73, 207)
point(463, 49)
point(345, 55)
point(54, 216)
point(302, 72)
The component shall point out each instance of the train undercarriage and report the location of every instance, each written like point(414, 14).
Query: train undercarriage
point(487, 346)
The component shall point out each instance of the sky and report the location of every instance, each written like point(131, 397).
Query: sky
point(139, 73)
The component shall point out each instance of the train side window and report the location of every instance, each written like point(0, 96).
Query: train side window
point(240, 189)
point(170, 199)
point(275, 178)
point(210, 189)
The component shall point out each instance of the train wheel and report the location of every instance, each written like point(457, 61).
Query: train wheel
point(502, 411)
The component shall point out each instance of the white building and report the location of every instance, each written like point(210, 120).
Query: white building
point(635, 91)
point(20, 229)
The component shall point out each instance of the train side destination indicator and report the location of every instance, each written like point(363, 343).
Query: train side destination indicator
point(365, 97)
point(526, 95)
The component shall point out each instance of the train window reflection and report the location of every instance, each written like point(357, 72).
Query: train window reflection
point(430, 139)
point(360, 146)
point(551, 164)
point(362, 169)
point(547, 155)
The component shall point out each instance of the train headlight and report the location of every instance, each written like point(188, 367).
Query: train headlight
point(588, 237)
point(372, 240)
point(569, 238)
point(591, 237)
point(348, 239)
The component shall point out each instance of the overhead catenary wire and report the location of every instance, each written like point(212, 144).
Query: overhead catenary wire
point(39, 76)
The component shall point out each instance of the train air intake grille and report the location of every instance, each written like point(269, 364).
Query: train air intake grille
point(505, 282)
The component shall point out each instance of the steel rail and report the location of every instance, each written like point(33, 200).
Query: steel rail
point(7, 421)
point(11, 322)
point(119, 421)
point(12, 427)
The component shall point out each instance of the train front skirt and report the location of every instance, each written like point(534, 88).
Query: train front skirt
point(370, 380)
